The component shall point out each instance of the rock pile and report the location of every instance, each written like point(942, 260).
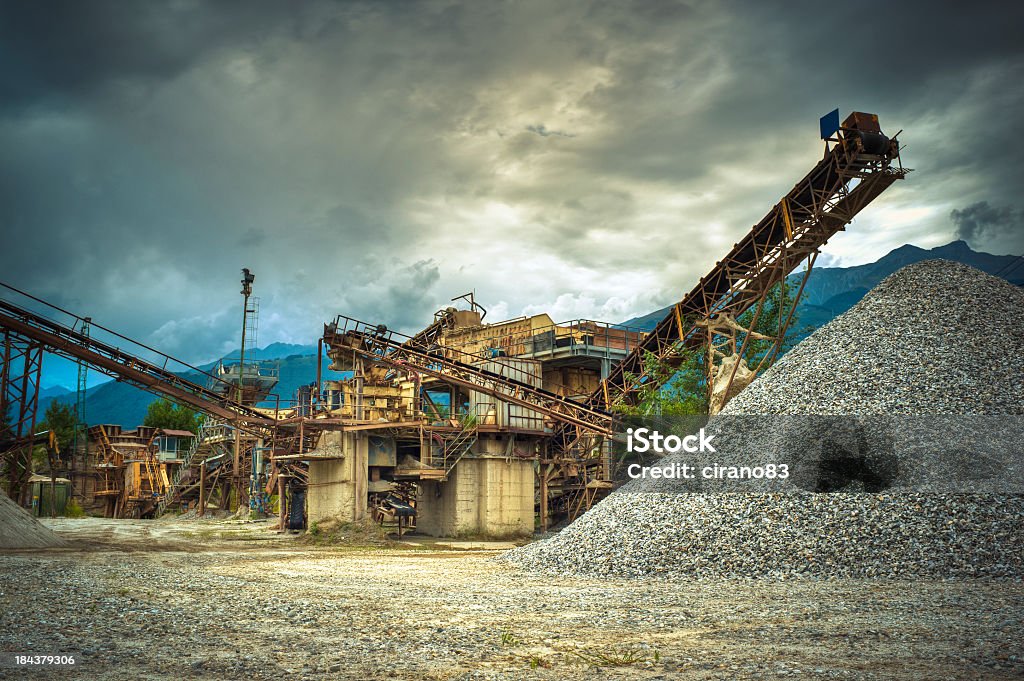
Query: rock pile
point(19, 530)
point(934, 339)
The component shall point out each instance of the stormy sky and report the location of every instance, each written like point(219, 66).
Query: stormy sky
point(586, 159)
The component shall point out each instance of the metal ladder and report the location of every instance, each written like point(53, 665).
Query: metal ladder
point(455, 448)
point(186, 463)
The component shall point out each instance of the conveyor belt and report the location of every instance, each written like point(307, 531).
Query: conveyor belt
point(347, 336)
point(64, 340)
point(821, 204)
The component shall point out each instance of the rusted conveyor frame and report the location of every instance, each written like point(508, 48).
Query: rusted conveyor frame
point(20, 368)
point(378, 344)
point(443, 320)
point(65, 341)
point(815, 209)
point(20, 365)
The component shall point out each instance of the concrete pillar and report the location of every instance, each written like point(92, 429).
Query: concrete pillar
point(338, 486)
point(485, 497)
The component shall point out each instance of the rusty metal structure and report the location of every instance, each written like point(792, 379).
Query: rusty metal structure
point(19, 401)
point(566, 433)
point(28, 332)
point(160, 375)
point(131, 468)
point(403, 353)
point(859, 163)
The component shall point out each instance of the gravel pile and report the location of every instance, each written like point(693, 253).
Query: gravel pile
point(936, 338)
point(19, 530)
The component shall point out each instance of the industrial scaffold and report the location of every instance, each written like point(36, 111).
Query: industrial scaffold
point(465, 428)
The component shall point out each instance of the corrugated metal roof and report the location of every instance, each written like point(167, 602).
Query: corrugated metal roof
point(177, 433)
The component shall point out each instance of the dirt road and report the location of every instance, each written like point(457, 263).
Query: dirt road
point(226, 600)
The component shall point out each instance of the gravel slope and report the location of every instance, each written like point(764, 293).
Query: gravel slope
point(935, 338)
point(19, 530)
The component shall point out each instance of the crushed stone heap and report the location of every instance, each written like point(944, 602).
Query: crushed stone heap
point(19, 530)
point(935, 338)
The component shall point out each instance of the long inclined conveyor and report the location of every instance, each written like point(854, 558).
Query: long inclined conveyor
point(66, 341)
point(855, 170)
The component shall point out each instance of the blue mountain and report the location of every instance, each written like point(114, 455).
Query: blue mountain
point(831, 291)
point(120, 403)
point(272, 351)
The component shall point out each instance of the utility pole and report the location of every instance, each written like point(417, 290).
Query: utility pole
point(247, 280)
point(80, 445)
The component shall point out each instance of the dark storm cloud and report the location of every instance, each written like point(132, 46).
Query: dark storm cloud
point(375, 159)
point(543, 131)
point(56, 50)
point(980, 220)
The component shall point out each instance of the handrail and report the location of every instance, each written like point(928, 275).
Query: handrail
point(94, 325)
point(63, 340)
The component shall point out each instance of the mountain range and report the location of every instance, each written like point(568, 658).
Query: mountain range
point(829, 292)
point(121, 403)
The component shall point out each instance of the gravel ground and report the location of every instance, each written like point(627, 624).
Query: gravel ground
point(936, 338)
point(148, 600)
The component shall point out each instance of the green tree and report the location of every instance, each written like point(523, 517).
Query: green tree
point(670, 390)
point(60, 418)
point(680, 388)
point(166, 414)
point(780, 300)
point(8, 459)
point(5, 426)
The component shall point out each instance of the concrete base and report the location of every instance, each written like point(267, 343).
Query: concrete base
point(481, 498)
point(337, 487)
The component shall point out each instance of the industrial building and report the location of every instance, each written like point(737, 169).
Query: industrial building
point(465, 428)
point(473, 457)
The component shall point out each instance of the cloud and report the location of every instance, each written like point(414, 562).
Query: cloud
point(543, 131)
point(213, 332)
point(252, 237)
point(58, 51)
point(375, 159)
point(980, 220)
point(828, 260)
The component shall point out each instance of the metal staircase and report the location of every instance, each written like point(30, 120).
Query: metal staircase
point(185, 466)
point(453, 448)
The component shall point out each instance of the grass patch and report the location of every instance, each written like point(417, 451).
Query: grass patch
point(508, 637)
point(621, 657)
point(73, 510)
point(345, 533)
